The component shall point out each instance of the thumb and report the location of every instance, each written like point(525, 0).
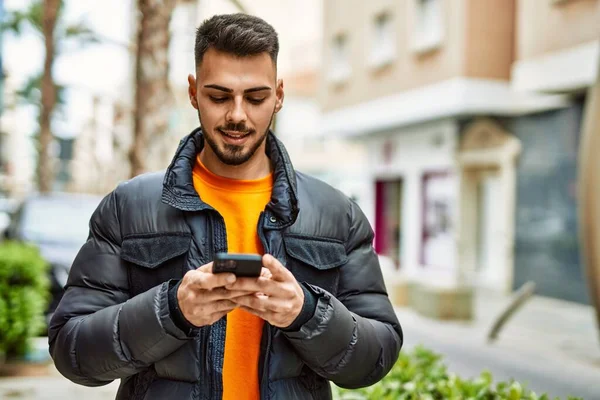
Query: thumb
point(277, 269)
point(206, 268)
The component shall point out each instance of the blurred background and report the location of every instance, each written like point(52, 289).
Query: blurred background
point(464, 129)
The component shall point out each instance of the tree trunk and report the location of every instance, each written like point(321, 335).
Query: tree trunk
point(589, 192)
point(153, 98)
point(45, 165)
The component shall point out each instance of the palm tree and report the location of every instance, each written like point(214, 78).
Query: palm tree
point(45, 168)
point(44, 16)
point(153, 97)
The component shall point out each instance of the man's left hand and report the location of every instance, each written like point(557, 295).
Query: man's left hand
point(277, 299)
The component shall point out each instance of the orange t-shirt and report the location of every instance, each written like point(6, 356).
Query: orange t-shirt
point(240, 202)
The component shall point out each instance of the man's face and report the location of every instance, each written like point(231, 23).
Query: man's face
point(236, 98)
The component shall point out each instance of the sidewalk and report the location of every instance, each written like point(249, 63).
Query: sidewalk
point(550, 345)
point(51, 387)
point(542, 325)
point(567, 330)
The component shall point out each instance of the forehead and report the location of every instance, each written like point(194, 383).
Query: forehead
point(235, 72)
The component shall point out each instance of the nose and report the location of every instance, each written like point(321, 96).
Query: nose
point(237, 114)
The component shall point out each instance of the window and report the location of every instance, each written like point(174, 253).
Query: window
point(340, 69)
point(438, 201)
point(388, 219)
point(428, 25)
point(384, 41)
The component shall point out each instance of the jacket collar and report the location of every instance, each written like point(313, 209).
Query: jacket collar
point(179, 192)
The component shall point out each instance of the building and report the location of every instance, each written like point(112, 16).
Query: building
point(469, 111)
point(557, 52)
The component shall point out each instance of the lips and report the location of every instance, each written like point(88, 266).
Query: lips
point(234, 134)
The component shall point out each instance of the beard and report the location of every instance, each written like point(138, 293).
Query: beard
point(232, 154)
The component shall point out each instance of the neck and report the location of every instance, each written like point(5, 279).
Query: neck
point(258, 166)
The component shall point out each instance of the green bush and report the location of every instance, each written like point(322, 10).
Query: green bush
point(24, 295)
point(421, 375)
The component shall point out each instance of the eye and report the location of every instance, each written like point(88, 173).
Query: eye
point(254, 100)
point(218, 99)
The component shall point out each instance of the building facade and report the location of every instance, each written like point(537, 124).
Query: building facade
point(466, 127)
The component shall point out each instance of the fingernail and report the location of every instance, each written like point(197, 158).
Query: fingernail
point(231, 278)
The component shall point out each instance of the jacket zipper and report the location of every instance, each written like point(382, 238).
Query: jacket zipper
point(220, 245)
point(205, 338)
point(264, 384)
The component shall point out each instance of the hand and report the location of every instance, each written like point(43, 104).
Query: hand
point(277, 299)
point(202, 297)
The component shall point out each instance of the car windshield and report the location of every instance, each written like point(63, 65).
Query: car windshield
point(60, 220)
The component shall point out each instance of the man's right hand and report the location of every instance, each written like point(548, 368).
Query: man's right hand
point(202, 297)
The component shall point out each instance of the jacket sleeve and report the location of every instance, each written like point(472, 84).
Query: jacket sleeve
point(98, 333)
point(354, 339)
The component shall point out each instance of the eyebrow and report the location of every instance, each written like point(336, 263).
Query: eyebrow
point(227, 90)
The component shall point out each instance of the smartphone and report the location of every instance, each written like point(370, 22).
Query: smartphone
point(242, 265)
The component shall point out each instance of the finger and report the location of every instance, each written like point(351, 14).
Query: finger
point(218, 315)
point(204, 280)
point(258, 303)
point(208, 281)
point(262, 314)
point(212, 281)
point(206, 267)
point(222, 293)
point(260, 284)
point(265, 303)
point(265, 273)
point(223, 305)
point(195, 278)
point(278, 271)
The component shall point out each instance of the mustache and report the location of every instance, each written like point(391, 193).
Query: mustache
point(236, 127)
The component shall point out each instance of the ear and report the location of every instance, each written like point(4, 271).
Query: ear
point(192, 92)
point(279, 94)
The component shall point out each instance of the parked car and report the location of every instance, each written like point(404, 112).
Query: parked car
point(58, 224)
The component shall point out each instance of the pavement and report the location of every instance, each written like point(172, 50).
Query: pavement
point(52, 386)
point(552, 346)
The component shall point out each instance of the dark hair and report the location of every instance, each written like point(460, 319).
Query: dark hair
point(239, 34)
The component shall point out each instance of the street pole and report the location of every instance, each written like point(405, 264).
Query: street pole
point(589, 192)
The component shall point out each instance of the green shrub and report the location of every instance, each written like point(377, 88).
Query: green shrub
point(24, 295)
point(421, 375)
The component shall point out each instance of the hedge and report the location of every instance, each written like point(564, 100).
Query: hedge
point(24, 295)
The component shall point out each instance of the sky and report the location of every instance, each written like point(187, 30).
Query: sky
point(84, 70)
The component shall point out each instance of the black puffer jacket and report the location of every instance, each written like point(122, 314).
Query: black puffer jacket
point(113, 321)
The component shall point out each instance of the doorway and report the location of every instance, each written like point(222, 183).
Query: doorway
point(487, 158)
point(388, 219)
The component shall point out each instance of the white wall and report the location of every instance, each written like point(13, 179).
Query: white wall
point(424, 148)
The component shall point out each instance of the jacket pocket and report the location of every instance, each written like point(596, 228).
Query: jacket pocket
point(315, 260)
point(154, 258)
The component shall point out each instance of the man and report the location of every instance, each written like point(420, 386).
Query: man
point(142, 304)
